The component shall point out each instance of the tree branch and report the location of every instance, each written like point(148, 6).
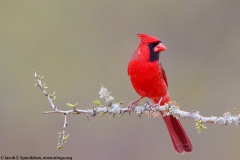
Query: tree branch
point(112, 109)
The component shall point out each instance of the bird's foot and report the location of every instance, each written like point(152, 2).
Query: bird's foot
point(133, 104)
point(156, 103)
point(160, 100)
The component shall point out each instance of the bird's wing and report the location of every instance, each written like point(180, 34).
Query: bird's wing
point(163, 74)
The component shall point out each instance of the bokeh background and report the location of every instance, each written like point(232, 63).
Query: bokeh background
point(79, 45)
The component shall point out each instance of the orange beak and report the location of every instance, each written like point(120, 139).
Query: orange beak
point(159, 48)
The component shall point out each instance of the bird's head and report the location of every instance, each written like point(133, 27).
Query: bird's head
point(149, 47)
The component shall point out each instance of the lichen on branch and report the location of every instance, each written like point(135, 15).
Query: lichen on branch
point(106, 105)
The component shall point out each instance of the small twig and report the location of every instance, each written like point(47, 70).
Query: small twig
point(50, 97)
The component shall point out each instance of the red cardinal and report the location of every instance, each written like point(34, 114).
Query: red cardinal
point(149, 80)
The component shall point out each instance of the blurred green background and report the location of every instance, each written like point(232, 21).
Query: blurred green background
point(79, 45)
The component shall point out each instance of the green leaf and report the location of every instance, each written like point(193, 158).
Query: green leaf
point(121, 102)
point(102, 114)
point(40, 77)
point(96, 102)
point(72, 105)
point(199, 131)
point(200, 126)
point(53, 95)
point(65, 139)
point(59, 147)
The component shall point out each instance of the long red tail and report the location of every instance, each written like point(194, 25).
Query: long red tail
point(180, 140)
point(179, 137)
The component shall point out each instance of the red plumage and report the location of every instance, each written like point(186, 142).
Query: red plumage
point(149, 80)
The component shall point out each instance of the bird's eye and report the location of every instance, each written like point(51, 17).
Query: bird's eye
point(150, 45)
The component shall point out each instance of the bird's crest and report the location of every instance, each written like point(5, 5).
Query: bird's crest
point(145, 38)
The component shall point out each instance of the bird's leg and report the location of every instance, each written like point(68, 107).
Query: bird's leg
point(152, 108)
point(160, 100)
point(133, 104)
point(158, 103)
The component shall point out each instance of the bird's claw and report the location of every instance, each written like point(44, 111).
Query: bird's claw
point(133, 104)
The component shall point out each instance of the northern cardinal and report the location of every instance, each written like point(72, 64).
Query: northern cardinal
point(149, 80)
